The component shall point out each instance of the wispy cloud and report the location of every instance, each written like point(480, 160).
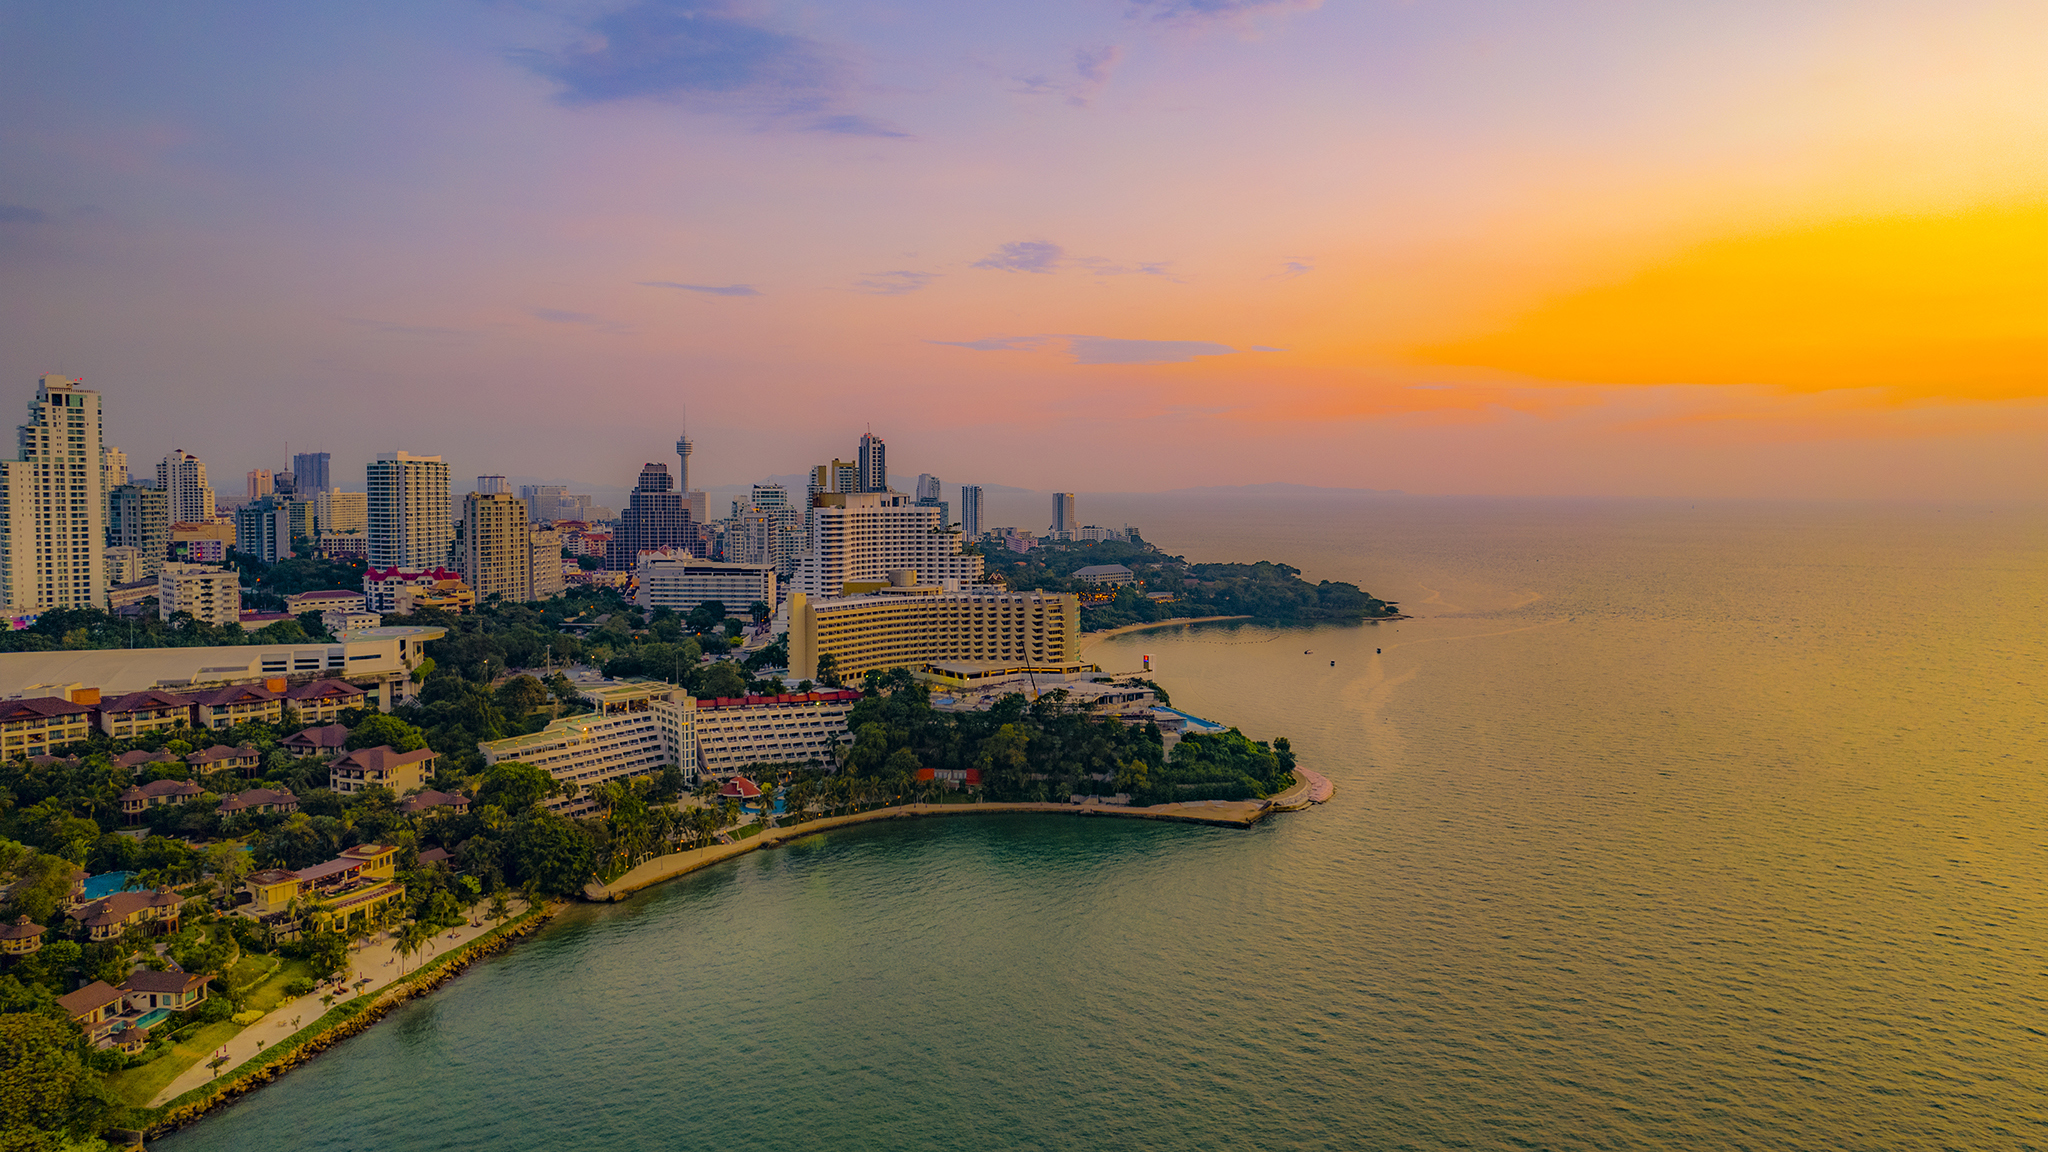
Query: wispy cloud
point(1191, 10)
point(707, 289)
point(1291, 269)
point(1100, 349)
point(710, 55)
point(22, 214)
point(585, 319)
point(1092, 68)
point(893, 283)
point(1023, 256)
point(1266, 348)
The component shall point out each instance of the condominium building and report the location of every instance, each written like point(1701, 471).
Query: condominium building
point(796, 728)
point(910, 626)
point(310, 472)
point(181, 477)
point(838, 476)
point(874, 464)
point(764, 529)
point(263, 529)
point(140, 518)
point(544, 568)
point(408, 511)
point(259, 484)
point(656, 516)
point(494, 486)
point(342, 513)
point(113, 466)
point(864, 537)
point(206, 593)
point(970, 512)
point(123, 565)
point(544, 501)
point(53, 504)
point(638, 728)
point(497, 548)
point(1063, 521)
point(929, 493)
point(682, 583)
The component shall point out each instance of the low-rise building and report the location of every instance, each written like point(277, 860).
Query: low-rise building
point(324, 741)
point(323, 700)
point(436, 803)
point(326, 600)
point(206, 593)
point(108, 917)
point(223, 708)
point(1111, 574)
point(40, 725)
point(345, 545)
point(396, 590)
point(910, 626)
point(130, 597)
point(381, 767)
point(338, 622)
point(134, 762)
point(639, 728)
point(21, 938)
point(146, 991)
point(142, 797)
point(124, 565)
point(682, 583)
point(96, 1008)
point(140, 713)
point(243, 758)
point(260, 802)
point(793, 728)
point(349, 888)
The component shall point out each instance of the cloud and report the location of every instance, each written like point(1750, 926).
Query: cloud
point(1092, 70)
point(849, 125)
point(557, 316)
point(1266, 348)
point(1023, 256)
point(707, 289)
point(1101, 267)
point(1100, 349)
point(1191, 10)
point(893, 283)
point(671, 49)
point(22, 214)
point(1291, 269)
point(1095, 64)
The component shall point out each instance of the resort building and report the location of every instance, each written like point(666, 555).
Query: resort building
point(796, 728)
point(639, 727)
point(381, 767)
point(860, 538)
point(907, 625)
point(96, 1008)
point(349, 888)
point(435, 803)
point(141, 798)
point(146, 991)
point(221, 758)
point(53, 504)
point(1114, 575)
point(315, 741)
point(223, 708)
point(682, 583)
point(39, 726)
point(107, 918)
point(208, 594)
point(323, 700)
point(21, 938)
point(260, 802)
point(379, 661)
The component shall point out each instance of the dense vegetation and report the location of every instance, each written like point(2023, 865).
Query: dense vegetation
point(1269, 593)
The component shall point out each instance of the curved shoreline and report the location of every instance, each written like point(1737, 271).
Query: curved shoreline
point(646, 874)
point(1088, 639)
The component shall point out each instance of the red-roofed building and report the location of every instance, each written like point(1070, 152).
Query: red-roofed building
point(439, 803)
point(96, 1007)
point(139, 713)
point(21, 938)
point(141, 798)
point(223, 708)
point(956, 777)
point(179, 991)
point(134, 762)
point(400, 591)
point(792, 728)
point(107, 918)
point(39, 725)
point(221, 758)
point(316, 741)
point(261, 801)
point(739, 788)
point(323, 701)
point(381, 767)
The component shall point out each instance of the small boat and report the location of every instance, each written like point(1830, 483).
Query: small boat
point(1333, 663)
point(1308, 651)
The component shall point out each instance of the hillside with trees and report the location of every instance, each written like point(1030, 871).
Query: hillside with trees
point(1269, 593)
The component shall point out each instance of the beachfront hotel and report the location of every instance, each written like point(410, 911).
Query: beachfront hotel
point(638, 728)
point(908, 625)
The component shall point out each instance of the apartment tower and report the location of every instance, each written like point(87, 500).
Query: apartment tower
point(309, 473)
point(407, 506)
point(970, 512)
point(497, 546)
point(874, 464)
point(54, 501)
point(1063, 521)
point(182, 477)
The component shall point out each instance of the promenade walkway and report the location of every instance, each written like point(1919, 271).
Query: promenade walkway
point(376, 958)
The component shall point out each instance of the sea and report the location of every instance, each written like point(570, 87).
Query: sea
point(1657, 825)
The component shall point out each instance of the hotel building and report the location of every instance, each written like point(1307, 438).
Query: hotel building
point(639, 728)
point(910, 626)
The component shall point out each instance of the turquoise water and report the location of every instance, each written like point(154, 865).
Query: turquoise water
point(105, 884)
point(151, 1017)
point(1658, 828)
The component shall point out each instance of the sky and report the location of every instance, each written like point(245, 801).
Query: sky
point(1578, 248)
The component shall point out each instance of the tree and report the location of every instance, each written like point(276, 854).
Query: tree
point(550, 853)
point(45, 883)
point(828, 669)
point(515, 787)
point(45, 1088)
point(228, 863)
point(724, 678)
point(383, 729)
point(521, 695)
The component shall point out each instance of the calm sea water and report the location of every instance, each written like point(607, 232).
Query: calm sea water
point(1659, 827)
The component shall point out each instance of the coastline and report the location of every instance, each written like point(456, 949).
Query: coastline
point(1089, 638)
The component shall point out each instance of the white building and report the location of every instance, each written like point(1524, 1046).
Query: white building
point(207, 593)
point(386, 589)
point(123, 565)
point(342, 513)
point(970, 512)
point(53, 504)
point(798, 728)
point(408, 511)
point(544, 571)
point(682, 583)
point(639, 728)
point(864, 537)
point(181, 477)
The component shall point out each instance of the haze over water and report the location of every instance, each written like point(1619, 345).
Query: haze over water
point(1659, 827)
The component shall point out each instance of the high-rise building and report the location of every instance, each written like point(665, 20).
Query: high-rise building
point(342, 513)
point(868, 537)
point(544, 573)
point(656, 516)
point(493, 486)
point(309, 473)
point(874, 464)
point(1063, 521)
point(113, 467)
point(263, 529)
point(970, 511)
point(259, 484)
point(928, 492)
point(683, 450)
point(409, 525)
point(207, 593)
point(55, 504)
point(140, 518)
point(764, 529)
point(182, 477)
point(544, 501)
point(497, 546)
point(838, 476)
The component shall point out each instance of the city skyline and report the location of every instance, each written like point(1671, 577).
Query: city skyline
point(1471, 251)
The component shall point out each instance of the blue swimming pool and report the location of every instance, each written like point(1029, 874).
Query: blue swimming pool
point(151, 1017)
point(105, 884)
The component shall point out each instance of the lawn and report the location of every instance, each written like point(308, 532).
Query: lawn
point(270, 993)
point(138, 1086)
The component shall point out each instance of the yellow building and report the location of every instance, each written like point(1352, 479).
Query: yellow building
point(41, 725)
point(497, 547)
point(905, 625)
point(349, 888)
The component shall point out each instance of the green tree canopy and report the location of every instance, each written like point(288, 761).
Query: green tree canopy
point(382, 729)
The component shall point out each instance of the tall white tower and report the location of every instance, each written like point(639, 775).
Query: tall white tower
point(683, 450)
point(54, 502)
point(182, 476)
point(410, 527)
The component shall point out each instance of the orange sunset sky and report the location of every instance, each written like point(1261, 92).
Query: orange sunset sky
point(1579, 248)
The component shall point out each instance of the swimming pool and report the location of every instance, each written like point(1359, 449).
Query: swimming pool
point(105, 884)
point(151, 1017)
